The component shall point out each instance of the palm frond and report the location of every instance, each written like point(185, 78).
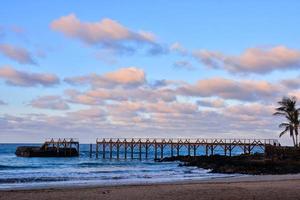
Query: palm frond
point(283, 132)
point(279, 113)
point(285, 124)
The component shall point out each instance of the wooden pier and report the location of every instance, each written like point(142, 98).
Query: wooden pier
point(142, 146)
point(65, 144)
point(60, 147)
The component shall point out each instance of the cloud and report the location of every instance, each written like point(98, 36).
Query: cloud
point(130, 76)
point(183, 64)
point(250, 109)
point(98, 95)
point(138, 119)
point(107, 33)
point(292, 83)
point(86, 114)
point(178, 48)
point(2, 103)
point(130, 84)
point(212, 103)
point(50, 102)
point(17, 54)
point(75, 96)
point(26, 79)
point(244, 90)
point(252, 60)
point(173, 107)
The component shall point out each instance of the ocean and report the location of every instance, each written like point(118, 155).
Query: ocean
point(22, 172)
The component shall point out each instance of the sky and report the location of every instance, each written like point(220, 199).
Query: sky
point(205, 69)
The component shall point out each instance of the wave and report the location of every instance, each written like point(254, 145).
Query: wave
point(7, 167)
point(32, 179)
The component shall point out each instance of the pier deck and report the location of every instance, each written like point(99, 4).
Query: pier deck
point(142, 145)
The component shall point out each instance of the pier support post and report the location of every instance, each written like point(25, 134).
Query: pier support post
point(189, 149)
point(155, 151)
point(206, 150)
point(65, 148)
point(146, 148)
point(178, 149)
point(140, 151)
point(172, 154)
point(212, 149)
point(103, 150)
point(118, 150)
point(161, 151)
point(195, 149)
point(131, 148)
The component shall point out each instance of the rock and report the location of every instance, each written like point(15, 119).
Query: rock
point(242, 164)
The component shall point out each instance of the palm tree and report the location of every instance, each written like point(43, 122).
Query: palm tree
point(296, 124)
point(291, 113)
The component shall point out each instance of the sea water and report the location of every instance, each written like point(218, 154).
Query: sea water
point(23, 172)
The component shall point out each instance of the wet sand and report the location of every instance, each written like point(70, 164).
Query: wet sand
point(252, 187)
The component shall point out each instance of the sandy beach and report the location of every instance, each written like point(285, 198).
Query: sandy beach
point(252, 187)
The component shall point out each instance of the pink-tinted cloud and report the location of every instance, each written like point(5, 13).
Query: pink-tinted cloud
point(17, 54)
point(130, 76)
point(213, 103)
point(244, 90)
point(26, 79)
point(107, 33)
point(173, 107)
point(252, 60)
point(50, 102)
point(250, 109)
point(97, 96)
point(86, 114)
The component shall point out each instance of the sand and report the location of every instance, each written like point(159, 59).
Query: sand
point(253, 187)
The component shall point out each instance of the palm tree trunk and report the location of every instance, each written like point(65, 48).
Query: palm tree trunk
point(296, 134)
point(292, 135)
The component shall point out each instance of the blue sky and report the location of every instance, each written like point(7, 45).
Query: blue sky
point(222, 31)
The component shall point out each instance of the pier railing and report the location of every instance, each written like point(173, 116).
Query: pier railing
point(61, 143)
point(142, 145)
point(68, 140)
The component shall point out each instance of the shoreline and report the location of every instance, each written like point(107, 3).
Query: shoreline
point(250, 187)
point(238, 178)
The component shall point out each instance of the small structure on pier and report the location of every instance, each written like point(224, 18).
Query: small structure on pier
point(60, 147)
point(142, 146)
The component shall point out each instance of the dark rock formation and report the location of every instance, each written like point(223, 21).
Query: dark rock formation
point(33, 151)
point(242, 164)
